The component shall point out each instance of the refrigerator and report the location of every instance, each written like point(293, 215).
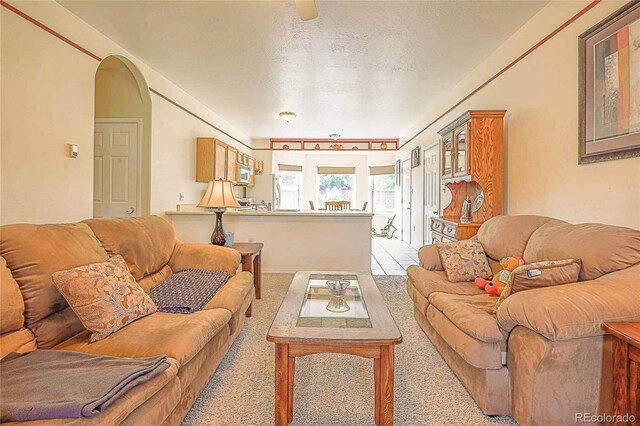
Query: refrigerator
point(266, 188)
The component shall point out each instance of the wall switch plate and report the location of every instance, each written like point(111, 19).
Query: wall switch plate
point(72, 150)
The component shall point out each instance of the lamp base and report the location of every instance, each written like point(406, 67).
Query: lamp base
point(218, 238)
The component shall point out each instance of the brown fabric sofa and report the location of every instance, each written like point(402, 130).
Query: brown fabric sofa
point(34, 314)
point(543, 357)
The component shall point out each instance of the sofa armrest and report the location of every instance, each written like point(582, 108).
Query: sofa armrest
point(204, 256)
point(430, 258)
point(575, 310)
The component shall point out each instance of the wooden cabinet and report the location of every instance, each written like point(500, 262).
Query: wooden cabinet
point(471, 168)
point(444, 230)
point(220, 167)
point(217, 160)
point(252, 165)
point(206, 159)
point(232, 164)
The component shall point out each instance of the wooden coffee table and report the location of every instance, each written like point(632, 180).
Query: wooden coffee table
point(303, 326)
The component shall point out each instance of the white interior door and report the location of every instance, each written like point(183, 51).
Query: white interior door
point(115, 169)
point(431, 189)
point(406, 201)
point(417, 233)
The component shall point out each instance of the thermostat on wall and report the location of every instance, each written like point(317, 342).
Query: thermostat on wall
point(73, 150)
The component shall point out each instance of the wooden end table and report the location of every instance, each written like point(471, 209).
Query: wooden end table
point(252, 261)
point(303, 326)
point(626, 370)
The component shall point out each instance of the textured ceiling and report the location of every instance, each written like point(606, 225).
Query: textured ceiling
point(361, 69)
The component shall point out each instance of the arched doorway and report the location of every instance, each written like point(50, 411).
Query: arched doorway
point(122, 140)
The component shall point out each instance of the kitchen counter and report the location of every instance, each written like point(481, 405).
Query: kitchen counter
point(293, 240)
point(318, 213)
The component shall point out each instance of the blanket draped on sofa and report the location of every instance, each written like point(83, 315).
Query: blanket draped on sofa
point(188, 291)
point(53, 384)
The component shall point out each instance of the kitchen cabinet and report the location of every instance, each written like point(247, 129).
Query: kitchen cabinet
point(252, 165)
point(232, 164)
point(217, 160)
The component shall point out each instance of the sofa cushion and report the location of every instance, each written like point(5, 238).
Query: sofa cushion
point(471, 314)
point(178, 336)
point(233, 296)
point(427, 282)
point(145, 243)
point(504, 236)
point(104, 296)
point(12, 308)
point(430, 258)
point(467, 325)
point(33, 253)
point(539, 275)
point(150, 281)
point(464, 260)
point(601, 248)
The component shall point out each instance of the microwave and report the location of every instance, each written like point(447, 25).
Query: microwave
point(244, 174)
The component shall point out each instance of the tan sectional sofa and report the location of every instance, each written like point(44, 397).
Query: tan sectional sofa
point(34, 314)
point(543, 357)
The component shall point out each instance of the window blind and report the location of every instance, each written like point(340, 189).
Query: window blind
point(289, 168)
point(382, 170)
point(327, 170)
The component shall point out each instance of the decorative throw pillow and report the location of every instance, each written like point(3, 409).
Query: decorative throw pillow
point(541, 274)
point(464, 260)
point(104, 296)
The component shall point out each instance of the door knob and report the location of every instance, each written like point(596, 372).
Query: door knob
point(130, 210)
point(435, 212)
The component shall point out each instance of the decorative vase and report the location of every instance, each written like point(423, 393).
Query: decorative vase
point(317, 146)
point(338, 288)
point(383, 145)
point(218, 238)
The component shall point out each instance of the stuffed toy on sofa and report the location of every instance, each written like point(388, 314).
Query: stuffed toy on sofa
point(499, 280)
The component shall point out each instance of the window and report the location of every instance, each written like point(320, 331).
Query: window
point(289, 185)
point(336, 187)
point(383, 189)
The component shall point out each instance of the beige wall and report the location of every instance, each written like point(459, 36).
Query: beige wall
point(48, 102)
point(540, 95)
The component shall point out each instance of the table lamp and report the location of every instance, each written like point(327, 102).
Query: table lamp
point(219, 196)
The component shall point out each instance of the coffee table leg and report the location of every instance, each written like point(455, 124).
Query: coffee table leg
point(282, 384)
point(376, 381)
point(292, 372)
point(257, 274)
point(386, 385)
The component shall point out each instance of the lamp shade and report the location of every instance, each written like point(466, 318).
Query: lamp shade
point(219, 194)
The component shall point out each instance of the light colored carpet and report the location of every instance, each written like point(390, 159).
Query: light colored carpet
point(333, 389)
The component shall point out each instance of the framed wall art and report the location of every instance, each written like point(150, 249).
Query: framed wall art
point(609, 88)
point(415, 157)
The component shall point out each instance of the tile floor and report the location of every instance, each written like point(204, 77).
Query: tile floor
point(391, 257)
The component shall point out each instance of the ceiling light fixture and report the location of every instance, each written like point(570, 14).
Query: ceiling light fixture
point(288, 115)
point(335, 136)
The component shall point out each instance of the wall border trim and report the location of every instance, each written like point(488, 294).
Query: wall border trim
point(49, 30)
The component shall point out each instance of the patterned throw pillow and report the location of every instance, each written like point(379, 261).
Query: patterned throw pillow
point(464, 260)
point(104, 296)
point(541, 274)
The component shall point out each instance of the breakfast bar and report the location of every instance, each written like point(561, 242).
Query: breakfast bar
point(293, 240)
